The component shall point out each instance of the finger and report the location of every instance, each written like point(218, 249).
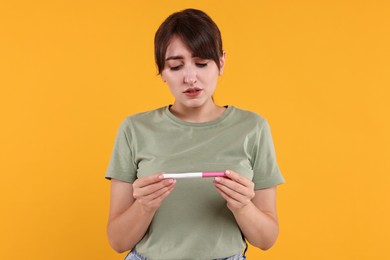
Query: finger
point(237, 177)
point(231, 202)
point(156, 202)
point(233, 185)
point(231, 194)
point(158, 193)
point(148, 180)
point(223, 194)
point(165, 193)
point(152, 188)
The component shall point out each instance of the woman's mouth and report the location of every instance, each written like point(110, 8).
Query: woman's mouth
point(192, 92)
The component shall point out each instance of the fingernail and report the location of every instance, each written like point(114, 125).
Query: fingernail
point(227, 172)
point(171, 180)
point(218, 179)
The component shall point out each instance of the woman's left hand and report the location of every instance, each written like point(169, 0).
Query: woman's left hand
point(237, 190)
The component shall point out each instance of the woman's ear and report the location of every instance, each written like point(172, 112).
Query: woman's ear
point(163, 78)
point(222, 63)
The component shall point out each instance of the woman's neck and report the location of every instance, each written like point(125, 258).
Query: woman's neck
point(200, 114)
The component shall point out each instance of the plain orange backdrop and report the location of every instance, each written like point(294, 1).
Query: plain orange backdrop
point(71, 71)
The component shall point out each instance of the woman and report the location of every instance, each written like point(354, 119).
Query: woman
point(199, 218)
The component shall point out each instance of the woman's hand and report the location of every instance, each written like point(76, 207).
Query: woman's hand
point(237, 190)
point(150, 191)
point(132, 208)
point(254, 211)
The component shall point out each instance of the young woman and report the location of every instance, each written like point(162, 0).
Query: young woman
point(160, 217)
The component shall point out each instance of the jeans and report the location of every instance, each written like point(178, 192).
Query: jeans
point(134, 255)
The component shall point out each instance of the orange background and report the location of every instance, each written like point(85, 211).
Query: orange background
point(70, 71)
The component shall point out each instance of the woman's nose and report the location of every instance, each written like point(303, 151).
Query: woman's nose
point(189, 75)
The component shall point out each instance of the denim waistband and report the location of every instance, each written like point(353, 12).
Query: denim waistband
point(134, 255)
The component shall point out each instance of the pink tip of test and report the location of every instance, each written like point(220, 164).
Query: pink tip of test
point(213, 174)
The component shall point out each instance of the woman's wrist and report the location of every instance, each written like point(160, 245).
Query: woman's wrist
point(244, 210)
point(144, 210)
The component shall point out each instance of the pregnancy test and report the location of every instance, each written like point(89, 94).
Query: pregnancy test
point(185, 175)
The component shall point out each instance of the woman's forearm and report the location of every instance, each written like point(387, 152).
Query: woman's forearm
point(259, 228)
point(127, 229)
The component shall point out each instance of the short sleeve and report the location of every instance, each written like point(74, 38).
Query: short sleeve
point(266, 171)
point(122, 165)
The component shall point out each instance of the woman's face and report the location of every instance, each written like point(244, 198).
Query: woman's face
point(191, 80)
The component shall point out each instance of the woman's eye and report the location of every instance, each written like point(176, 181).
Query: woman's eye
point(175, 68)
point(201, 65)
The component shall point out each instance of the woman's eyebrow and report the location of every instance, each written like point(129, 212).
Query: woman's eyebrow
point(175, 58)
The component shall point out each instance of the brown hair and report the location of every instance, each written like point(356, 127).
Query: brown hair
point(196, 29)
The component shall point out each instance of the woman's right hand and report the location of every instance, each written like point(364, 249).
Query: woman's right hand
point(132, 207)
point(151, 191)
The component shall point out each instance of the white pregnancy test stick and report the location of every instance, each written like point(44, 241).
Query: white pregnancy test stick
point(185, 175)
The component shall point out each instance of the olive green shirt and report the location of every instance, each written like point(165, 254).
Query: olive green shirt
point(194, 222)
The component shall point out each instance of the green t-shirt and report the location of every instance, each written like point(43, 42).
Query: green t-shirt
point(194, 222)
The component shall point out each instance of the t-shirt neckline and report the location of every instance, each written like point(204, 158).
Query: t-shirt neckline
point(216, 121)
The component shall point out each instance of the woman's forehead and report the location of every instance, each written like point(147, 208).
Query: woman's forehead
point(177, 48)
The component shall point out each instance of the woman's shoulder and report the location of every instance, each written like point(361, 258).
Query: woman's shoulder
point(249, 115)
point(145, 115)
point(144, 119)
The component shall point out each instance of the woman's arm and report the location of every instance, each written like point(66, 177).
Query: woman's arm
point(255, 211)
point(132, 207)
